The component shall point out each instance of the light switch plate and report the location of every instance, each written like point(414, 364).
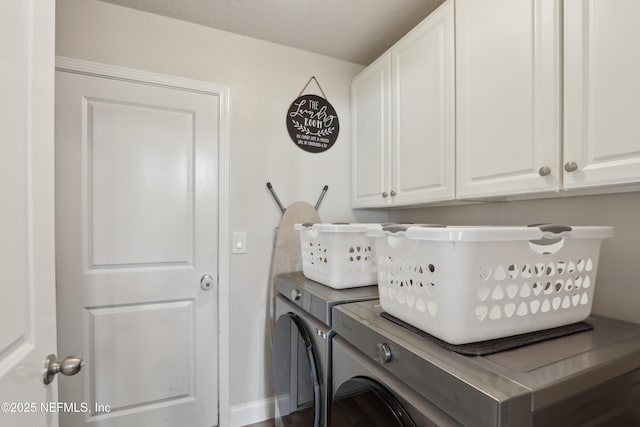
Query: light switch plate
point(239, 242)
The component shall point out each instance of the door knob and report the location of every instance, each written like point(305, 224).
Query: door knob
point(545, 171)
point(70, 365)
point(206, 282)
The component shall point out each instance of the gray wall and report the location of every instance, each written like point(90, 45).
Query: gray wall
point(617, 291)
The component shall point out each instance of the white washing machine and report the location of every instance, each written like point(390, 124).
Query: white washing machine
point(302, 347)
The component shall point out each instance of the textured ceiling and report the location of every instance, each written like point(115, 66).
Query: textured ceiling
point(354, 30)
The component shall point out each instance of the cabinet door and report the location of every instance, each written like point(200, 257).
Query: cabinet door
point(423, 148)
point(602, 92)
point(371, 133)
point(508, 99)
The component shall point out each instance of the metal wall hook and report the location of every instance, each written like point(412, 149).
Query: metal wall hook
point(324, 190)
point(282, 209)
point(275, 196)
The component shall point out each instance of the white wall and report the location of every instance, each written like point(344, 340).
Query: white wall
point(264, 79)
point(617, 291)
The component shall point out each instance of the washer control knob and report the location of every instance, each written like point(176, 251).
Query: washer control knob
point(384, 352)
point(296, 294)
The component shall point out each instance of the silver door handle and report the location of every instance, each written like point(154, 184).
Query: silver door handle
point(70, 365)
point(207, 282)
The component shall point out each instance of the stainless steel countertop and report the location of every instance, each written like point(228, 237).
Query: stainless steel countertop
point(550, 370)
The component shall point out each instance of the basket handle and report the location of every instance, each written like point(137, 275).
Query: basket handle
point(549, 245)
point(395, 228)
point(552, 228)
point(401, 228)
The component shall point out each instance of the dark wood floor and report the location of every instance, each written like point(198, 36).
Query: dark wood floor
point(268, 423)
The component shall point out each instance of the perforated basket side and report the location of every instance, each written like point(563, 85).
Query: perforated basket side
point(338, 259)
point(473, 291)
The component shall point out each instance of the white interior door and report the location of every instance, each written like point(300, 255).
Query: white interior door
point(27, 287)
point(136, 217)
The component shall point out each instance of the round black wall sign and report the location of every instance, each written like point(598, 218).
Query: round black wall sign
point(312, 123)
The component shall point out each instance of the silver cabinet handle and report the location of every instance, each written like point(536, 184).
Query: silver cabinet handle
point(393, 193)
point(384, 194)
point(70, 365)
point(571, 166)
point(545, 171)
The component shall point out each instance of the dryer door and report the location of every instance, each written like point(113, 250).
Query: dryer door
point(295, 374)
point(363, 402)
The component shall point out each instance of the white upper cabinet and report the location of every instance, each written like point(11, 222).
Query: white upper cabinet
point(423, 107)
point(371, 133)
point(547, 100)
point(403, 117)
point(507, 97)
point(602, 92)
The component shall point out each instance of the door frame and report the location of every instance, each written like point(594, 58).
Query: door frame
point(96, 69)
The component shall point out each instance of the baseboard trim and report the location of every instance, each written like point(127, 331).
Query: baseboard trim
point(252, 412)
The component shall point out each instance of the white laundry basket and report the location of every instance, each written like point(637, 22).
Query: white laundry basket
point(469, 284)
point(338, 255)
